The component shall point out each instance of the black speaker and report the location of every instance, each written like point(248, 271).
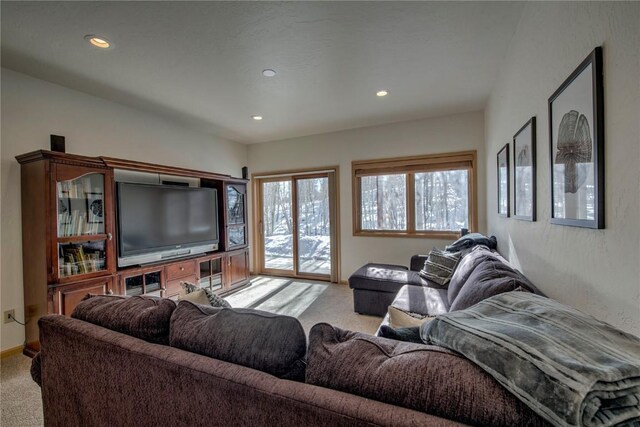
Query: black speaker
point(245, 172)
point(57, 143)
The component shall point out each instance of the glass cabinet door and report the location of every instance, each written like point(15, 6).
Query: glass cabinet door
point(83, 243)
point(81, 206)
point(236, 221)
point(235, 204)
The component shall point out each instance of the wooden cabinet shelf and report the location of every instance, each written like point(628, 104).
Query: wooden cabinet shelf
point(69, 236)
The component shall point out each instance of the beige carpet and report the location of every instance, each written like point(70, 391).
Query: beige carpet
point(20, 405)
point(311, 302)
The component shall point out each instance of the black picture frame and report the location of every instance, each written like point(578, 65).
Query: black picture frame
point(524, 156)
point(503, 173)
point(584, 180)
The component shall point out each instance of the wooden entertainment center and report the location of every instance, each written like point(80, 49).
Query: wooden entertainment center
point(69, 236)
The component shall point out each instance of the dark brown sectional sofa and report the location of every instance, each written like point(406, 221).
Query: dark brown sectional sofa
point(230, 367)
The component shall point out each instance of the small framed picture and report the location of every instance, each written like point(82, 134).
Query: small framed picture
point(524, 172)
point(576, 136)
point(503, 181)
point(95, 208)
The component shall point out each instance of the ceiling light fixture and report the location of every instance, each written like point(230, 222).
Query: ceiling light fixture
point(256, 117)
point(382, 93)
point(97, 41)
point(268, 72)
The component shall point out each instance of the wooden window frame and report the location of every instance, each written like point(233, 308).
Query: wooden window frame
point(409, 166)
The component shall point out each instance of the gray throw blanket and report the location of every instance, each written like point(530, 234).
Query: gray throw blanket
point(570, 368)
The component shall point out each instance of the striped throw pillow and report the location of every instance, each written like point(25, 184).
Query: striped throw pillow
point(439, 266)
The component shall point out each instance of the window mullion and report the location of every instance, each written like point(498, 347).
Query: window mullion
point(411, 205)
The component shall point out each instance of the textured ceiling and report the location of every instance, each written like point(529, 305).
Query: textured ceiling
point(201, 62)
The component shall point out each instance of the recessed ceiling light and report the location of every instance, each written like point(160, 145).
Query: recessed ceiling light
point(382, 93)
point(268, 72)
point(256, 117)
point(97, 41)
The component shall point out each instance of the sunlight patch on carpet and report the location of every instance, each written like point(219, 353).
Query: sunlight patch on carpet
point(282, 296)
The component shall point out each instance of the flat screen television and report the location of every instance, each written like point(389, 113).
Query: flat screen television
point(157, 222)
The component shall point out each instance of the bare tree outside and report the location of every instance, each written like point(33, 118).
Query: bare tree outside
point(277, 225)
point(384, 202)
point(313, 227)
point(442, 200)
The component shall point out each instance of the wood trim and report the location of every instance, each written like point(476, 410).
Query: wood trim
point(410, 209)
point(155, 168)
point(289, 172)
point(334, 198)
point(301, 276)
point(294, 223)
point(412, 165)
point(11, 351)
point(74, 159)
point(445, 235)
point(427, 159)
point(115, 163)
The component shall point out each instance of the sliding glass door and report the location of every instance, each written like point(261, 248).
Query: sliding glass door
point(313, 225)
point(277, 224)
point(296, 225)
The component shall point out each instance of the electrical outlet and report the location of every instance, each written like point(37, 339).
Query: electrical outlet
point(9, 315)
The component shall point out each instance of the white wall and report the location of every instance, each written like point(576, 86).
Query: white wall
point(428, 136)
point(597, 271)
point(33, 109)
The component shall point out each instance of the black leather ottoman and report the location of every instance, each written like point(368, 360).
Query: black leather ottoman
point(375, 286)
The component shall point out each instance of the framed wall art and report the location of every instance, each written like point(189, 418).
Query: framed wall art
point(524, 172)
point(576, 142)
point(503, 181)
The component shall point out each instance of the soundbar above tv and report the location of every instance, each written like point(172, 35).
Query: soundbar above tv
point(160, 222)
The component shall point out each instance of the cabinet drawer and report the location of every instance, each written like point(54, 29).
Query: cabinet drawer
point(180, 269)
point(66, 298)
point(173, 287)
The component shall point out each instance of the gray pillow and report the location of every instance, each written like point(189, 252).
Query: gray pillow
point(491, 277)
point(439, 266)
point(256, 339)
point(143, 317)
point(214, 300)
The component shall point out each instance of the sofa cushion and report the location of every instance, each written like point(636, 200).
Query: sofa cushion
point(489, 278)
point(143, 317)
point(410, 334)
point(399, 318)
point(416, 376)
point(256, 339)
point(464, 269)
point(422, 300)
point(439, 266)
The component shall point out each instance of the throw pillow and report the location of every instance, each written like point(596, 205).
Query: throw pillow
point(214, 300)
point(143, 317)
point(416, 376)
point(268, 342)
point(491, 277)
point(439, 266)
point(399, 318)
point(198, 297)
point(411, 334)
